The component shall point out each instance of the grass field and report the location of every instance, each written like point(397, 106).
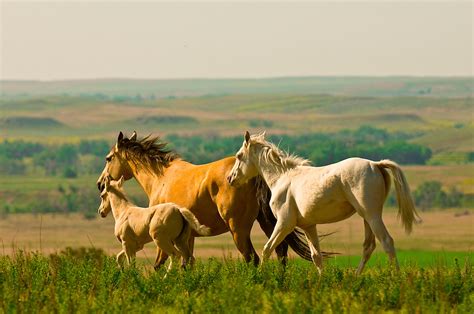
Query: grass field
point(87, 281)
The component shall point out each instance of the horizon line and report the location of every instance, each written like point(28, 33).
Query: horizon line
point(232, 78)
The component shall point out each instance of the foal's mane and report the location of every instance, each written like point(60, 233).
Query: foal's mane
point(149, 152)
point(274, 155)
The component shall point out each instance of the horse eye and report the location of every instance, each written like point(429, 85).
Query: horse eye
point(109, 158)
point(239, 156)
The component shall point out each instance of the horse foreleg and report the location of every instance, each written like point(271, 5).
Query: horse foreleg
point(313, 241)
point(267, 227)
point(369, 247)
point(241, 236)
point(120, 258)
point(130, 253)
point(281, 230)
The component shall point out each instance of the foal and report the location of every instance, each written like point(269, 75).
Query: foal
point(167, 224)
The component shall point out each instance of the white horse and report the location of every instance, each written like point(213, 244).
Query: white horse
point(167, 224)
point(304, 196)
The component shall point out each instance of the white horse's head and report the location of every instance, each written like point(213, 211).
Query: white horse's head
point(105, 204)
point(245, 167)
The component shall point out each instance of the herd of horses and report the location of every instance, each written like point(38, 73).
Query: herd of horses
point(286, 195)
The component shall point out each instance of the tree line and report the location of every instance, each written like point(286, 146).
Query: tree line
point(86, 157)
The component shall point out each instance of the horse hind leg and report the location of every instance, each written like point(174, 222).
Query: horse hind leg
point(161, 258)
point(185, 243)
point(168, 247)
point(369, 205)
point(368, 247)
point(313, 241)
point(381, 232)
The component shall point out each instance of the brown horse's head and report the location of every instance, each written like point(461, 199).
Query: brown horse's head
point(116, 165)
point(129, 155)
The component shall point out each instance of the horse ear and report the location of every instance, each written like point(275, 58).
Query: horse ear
point(247, 137)
point(119, 140)
point(262, 135)
point(133, 137)
point(120, 181)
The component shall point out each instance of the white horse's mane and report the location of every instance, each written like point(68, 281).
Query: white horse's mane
point(274, 155)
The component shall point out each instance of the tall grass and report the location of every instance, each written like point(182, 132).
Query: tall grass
point(88, 280)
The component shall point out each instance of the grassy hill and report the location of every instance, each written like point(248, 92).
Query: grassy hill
point(443, 124)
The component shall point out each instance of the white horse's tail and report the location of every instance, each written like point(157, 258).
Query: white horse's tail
point(194, 222)
point(406, 206)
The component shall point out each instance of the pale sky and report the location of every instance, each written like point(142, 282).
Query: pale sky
point(108, 39)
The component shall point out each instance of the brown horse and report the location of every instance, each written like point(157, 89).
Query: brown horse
point(203, 189)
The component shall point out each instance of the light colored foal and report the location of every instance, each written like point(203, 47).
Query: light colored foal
point(167, 225)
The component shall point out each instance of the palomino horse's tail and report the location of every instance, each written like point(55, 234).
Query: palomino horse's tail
point(406, 206)
point(296, 240)
point(194, 222)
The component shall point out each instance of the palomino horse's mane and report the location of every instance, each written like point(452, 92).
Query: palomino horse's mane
point(149, 152)
point(274, 155)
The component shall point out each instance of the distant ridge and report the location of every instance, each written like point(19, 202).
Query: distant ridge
point(161, 88)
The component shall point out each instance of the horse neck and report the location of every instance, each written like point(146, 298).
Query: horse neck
point(145, 177)
point(119, 204)
point(149, 179)
point(270, 172)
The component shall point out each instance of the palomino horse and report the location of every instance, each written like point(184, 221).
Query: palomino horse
point(203, 189)
point(168, 225)
point(305, 196)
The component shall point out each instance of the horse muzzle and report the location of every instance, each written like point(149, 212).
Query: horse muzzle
point(100, 186)
point(102, 213)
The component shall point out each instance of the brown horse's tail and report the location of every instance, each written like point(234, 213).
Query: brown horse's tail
point(193, 222)
point(296, 240)
point(406, 206)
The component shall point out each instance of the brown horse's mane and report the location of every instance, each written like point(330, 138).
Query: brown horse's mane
point(149, 152)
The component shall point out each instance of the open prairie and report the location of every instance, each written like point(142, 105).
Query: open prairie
point(54, 261)
point(444, 231)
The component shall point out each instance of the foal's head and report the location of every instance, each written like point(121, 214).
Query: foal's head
point(110, 186)
point(245, 167)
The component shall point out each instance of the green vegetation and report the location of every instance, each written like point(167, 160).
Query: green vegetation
point(86, 158)
point(164, 119)
point(29, 122)
point(430, 195)
point(86, 280)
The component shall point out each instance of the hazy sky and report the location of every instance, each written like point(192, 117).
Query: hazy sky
point(64, 40)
